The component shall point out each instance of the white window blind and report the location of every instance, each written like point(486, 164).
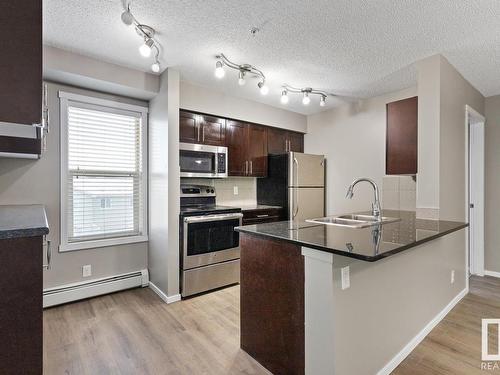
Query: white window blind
point(104, 179)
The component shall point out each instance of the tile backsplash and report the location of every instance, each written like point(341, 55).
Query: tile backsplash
point(246, 188)
point(399, 193)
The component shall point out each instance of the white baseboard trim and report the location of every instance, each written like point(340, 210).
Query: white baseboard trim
point(92, 288)
point(163, 296)
point(492, 273)
point(393, 363)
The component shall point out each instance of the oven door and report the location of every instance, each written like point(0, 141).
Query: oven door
point(210, 239)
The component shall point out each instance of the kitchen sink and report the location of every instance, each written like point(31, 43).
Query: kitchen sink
point(354, 220)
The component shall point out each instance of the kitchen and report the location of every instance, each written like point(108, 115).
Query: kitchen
point(202, 133)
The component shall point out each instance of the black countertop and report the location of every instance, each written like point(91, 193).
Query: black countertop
point(23, 221)
point(368, 244)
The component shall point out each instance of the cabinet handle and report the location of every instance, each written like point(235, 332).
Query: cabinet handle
point(198, 137)
point(262, 215)
point(246, 167)
point(49, 256)
point(251, 167)
point(203, 134)
point(286, 145)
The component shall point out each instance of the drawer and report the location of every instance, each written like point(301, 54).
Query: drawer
point(266, 215)
point(267, 219)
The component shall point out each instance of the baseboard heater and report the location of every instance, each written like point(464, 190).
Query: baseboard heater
point(86, 289)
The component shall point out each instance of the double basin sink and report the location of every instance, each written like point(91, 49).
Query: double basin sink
point(354, 220)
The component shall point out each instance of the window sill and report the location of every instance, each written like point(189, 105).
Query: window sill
point(85, 245)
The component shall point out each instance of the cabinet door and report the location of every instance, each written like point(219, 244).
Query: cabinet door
point(296, 142)
point(401, 139)
point(237, 143)
point(21, 62)
point(277, 141)
point(213, 130)
point(188, 127)
point(257, 150)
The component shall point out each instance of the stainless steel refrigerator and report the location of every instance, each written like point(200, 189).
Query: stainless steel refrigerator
point(295, 181)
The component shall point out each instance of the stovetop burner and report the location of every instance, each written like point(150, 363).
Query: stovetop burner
point(200, 200)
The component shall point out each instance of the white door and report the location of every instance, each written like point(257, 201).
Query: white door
point(476, 194)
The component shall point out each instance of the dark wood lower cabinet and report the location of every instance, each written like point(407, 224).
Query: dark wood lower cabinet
point(21, 325)
point(272, 304)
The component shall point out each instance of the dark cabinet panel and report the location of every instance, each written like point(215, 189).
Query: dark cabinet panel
point(401, 138)
point(21, 305)
point(236, 142)
point(213, 130)
point(281, 141)
point(295, 142)
point(188, 127)
point(257, 150)
point(262, 215)
point(21, 62)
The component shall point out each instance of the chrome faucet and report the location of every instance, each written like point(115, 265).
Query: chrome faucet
point(376, 203)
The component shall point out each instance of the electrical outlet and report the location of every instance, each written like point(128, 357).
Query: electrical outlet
point(346, 280)
point(235, 190)
point(452, 276)
point(87, 270)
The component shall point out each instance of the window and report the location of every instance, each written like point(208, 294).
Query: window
point(103, 173)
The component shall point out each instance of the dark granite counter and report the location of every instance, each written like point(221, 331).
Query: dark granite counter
point(23, 221)
point(368, 244)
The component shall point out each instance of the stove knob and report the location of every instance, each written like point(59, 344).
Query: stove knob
point(212, 191)
point(208, 190)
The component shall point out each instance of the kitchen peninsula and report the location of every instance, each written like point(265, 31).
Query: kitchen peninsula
point(316, 298)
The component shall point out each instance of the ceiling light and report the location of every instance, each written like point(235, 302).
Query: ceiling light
point(219, 70)
point(145, 49)
point(127, 17)
point(322, 101)
point(156, 67)
point(284, 97)
point(306, 99)
point(263, 88)
point(241, 78)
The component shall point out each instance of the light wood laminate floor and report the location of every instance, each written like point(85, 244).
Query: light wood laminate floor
point(134, 332)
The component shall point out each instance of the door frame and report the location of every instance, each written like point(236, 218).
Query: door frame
point(475, 254)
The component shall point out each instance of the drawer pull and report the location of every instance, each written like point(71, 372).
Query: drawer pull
point(49, 256)
point(263, 215)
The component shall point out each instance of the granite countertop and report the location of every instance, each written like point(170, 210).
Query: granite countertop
point(23, 221)
point(368, 244)
point(253, 207)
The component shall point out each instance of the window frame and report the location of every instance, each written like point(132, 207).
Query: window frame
point(66, 98)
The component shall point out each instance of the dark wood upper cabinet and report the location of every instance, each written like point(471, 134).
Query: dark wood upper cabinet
point(188, 127)
point(247, 149)
point(401, 138)
point(203, 129)
point(257, 150)
point(236, 142)
point(280, 141)
point(213, 130)
point(21, 62)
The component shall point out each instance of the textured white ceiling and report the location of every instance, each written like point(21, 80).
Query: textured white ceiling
point(357, 48)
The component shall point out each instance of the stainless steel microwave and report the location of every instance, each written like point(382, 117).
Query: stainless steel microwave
point(202, 160)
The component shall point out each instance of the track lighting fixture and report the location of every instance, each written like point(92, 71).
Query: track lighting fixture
point(306, 92)
point(147, 33)
point(243, 70)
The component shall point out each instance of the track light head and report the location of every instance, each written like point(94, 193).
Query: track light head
point(322, 101)
point(284, 97)
point(219, 70)
point(263, 88)
point(145, 49)
point(156, 66)
point(241, 78)
point(306, 99)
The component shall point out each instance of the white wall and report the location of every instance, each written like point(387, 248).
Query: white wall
point(492, 184)
point(202, 99)
point(352, 137)
point(164, 184)
point(37, 182)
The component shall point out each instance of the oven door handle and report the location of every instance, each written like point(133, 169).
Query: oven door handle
point(208, 218)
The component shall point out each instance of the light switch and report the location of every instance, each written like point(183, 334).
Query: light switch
point(346, 280)
point(87, 270)
point(235, 190)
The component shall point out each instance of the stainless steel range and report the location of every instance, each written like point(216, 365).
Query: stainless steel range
point(209, 246)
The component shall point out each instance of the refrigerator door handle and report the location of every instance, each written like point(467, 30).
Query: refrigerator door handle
point(296, 191)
